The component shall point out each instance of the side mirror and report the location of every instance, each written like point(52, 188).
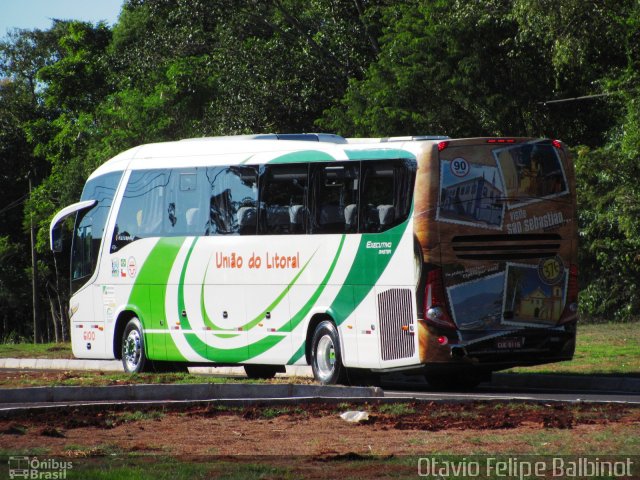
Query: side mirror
point(56, 238)
point(55, 229)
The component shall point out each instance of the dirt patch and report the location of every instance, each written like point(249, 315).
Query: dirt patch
point(317, 430)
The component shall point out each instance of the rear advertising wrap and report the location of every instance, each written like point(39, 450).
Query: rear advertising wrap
point(504, 220)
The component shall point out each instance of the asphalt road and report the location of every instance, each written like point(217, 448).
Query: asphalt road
point(533, 395)
point(241, 394)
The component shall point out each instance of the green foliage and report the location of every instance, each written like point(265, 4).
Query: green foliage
point(608, 202)
point(609, 215)
point(467, 68)
point(14, 302)
point(431, 76)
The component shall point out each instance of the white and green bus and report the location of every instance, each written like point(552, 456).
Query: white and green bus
point(450, 257)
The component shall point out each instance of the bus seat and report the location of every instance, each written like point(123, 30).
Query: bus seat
point(386, 214)
point(331, 215)
point(278, 217)
point(247, 220)
point(297, 215)
point(351, 217)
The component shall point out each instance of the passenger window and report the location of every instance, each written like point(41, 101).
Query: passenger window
point(184, 214)
point(146, 205)
point(233, 200)
point(387, 189)
point(191, 204)
point(334, 197)
point(283, 199)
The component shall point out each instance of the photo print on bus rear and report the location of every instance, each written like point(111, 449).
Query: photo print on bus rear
point(470, 194)
point(530, 300)
point(532, 172)
point(477, 305)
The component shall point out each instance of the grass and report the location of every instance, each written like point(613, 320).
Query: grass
point(166, 468)
point(274, 412)
point(40, 350)
point(602, 349)
point(139, 415)
point(110, 463)
point(396, 409)
point(349, 467)
point(89, 378)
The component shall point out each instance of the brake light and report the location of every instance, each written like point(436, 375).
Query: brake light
point(557, 144)
point(571, 306)
point(435, 306)
point(501, 140)
point(442, 145)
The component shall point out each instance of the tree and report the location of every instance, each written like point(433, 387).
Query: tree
point(467, 68)
point(225, 67)
point(21, 56)
point(52, 81)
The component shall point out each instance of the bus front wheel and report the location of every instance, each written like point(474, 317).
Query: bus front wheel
point(134, 359)
point(326, 358)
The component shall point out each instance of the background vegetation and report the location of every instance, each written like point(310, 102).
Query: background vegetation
point(76, 94)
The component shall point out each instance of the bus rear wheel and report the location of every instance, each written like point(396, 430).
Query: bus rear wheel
point(326, 357)
point(134, 359)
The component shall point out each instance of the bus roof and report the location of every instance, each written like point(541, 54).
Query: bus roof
point(261, 149)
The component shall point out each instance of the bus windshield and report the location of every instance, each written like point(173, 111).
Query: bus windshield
point(89, 227)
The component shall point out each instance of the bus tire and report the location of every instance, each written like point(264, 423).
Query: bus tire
point(326, 357)
point(261, 372)
point(134, 359)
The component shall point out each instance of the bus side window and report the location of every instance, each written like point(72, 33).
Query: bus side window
point(143, 207)
point(387, 189)
point(283, 199)
point(233, 200)
point(334, 197)
point(184, 213)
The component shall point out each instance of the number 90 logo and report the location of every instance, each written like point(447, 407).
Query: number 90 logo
point(459, 167)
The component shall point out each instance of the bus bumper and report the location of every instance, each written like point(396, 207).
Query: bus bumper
point(524, 347)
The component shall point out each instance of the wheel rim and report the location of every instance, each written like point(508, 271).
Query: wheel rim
point(325, 357)
point(132, 350)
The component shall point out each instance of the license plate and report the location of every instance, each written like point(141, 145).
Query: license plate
point(509, 343)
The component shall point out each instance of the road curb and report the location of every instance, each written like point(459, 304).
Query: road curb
point(202, 391)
